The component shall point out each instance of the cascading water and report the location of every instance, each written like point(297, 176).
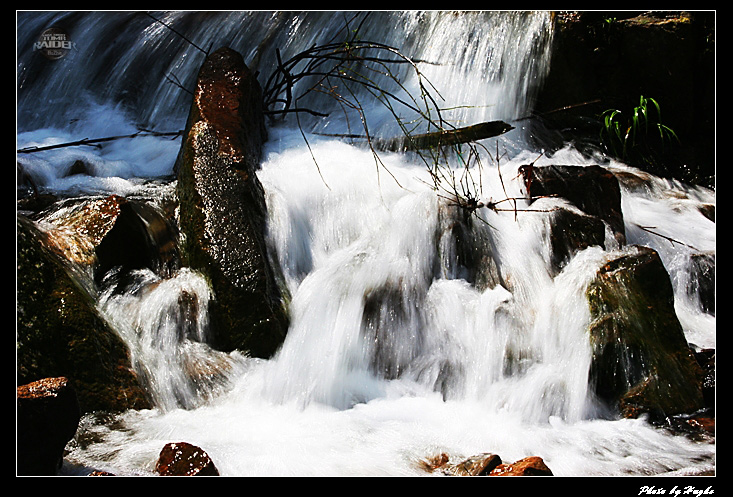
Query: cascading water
point(397, 350)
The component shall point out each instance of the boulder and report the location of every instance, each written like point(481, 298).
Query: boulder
point(60, 332)
point(48, 416)
point(642, 363)
point(222, 210)
point(99, 234)
point(140, 238)
point(592, 189)
point(184, 459)
point(571, 232)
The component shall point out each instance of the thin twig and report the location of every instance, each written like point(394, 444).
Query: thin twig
point(176, 32)
point(94, 141)
point(671, 240)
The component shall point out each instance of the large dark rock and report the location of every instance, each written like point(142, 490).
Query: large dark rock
point(47, 418)
point(592, 189)
point(140, 238)
point(571, 232)
point(60, 333)
point(642, 363)
point(222, 213)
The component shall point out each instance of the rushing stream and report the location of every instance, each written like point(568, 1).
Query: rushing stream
point(430, 375)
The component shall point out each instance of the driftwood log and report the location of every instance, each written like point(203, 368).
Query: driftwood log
point(456, 136)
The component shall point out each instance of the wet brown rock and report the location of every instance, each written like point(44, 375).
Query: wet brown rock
point(433, 463)
point(571, 232)
point(529, 466)
point(478, 465)
point(140, 238)
point(113, 232)
point(184, 459)
point(642, 363)
point(592, 189)
point(223, 213)
point(48, 415)
point(703, 423)
point(485, 464)
point(60, 331)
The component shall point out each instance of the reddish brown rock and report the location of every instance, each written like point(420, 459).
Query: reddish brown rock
point(529, 466)
point(184, 459)
point(222, 208)
point(704, 423)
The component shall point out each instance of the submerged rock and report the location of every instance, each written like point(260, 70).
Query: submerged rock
point(702, 280)
point(642, 363)
point(478, 465)
point(222, 213)
point(466, 250)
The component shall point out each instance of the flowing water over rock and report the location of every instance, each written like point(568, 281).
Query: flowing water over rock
point(402, 345)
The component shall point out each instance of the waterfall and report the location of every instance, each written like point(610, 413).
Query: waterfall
point(398, 347)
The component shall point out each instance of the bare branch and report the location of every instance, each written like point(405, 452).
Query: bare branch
point(648, 229)
point(95, 141)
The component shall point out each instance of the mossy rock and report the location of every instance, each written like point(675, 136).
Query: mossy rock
point(642, 363)
point(60, 333)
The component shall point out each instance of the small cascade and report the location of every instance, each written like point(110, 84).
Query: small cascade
point(165, 322)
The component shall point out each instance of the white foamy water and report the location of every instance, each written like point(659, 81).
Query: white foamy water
point(396, 351)
point(334, 402)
